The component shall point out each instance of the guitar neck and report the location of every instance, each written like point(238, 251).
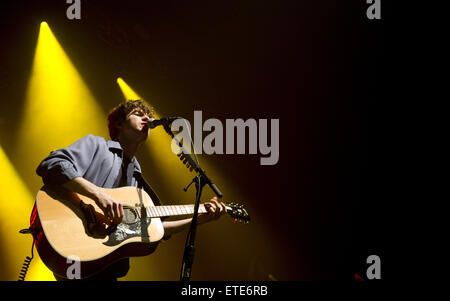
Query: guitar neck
point(236, 211)
point(173, 210)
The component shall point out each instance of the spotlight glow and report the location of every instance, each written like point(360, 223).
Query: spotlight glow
point(128, 93)
point(59, 108)
point(16, 203)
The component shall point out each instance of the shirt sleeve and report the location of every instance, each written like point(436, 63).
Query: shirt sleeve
point(67, 163)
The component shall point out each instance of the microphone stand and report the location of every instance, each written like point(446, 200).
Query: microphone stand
point(200, 181)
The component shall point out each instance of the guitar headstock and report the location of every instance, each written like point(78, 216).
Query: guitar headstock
point(238, 212)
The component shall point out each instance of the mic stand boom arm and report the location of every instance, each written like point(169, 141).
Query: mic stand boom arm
point(187, 158)
point(200, 180)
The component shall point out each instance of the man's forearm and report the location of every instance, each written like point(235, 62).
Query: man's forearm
point(84, 187)
point(172, 227)
point(113, 209)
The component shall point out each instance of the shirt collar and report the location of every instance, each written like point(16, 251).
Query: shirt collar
point(116, 145)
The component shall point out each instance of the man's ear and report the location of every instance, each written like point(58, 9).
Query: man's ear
point(118, 127)
point(120, 123)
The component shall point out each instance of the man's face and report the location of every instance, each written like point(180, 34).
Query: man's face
point(135, 125)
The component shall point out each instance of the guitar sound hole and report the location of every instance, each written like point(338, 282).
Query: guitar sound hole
point(130, 216)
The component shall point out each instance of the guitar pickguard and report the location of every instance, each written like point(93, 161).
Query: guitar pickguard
point(132, 225)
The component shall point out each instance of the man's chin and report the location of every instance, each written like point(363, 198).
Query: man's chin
point(143, 136)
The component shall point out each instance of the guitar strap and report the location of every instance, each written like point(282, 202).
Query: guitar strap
point(142, 183)
point(125, 176)
point(125, 179)
point(126, 173)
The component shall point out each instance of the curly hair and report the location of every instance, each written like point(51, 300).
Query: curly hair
point(119, 114)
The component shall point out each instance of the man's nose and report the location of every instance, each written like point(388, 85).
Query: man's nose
point(145, 118)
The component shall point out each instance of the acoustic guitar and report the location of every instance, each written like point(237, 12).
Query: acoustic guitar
point(73, 227)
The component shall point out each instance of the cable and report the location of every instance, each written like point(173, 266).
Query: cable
point(27, 261)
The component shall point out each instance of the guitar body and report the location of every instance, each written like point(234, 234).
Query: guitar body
point(74, 228)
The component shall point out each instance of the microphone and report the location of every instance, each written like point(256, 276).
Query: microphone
point(152, 122)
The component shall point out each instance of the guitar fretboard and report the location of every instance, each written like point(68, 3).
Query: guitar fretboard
point(162, 211)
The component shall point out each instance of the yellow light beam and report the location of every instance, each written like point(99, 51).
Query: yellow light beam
point(128, 93)
point(16, 203)
point(59, 107)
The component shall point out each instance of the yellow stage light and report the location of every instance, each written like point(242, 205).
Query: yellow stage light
point(128, 93)
point(16, 203)
point(58, 109)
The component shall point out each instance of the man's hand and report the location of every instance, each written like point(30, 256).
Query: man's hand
point(215, 210)
point(112, 208)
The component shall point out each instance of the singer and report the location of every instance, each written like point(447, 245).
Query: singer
point(92, 162)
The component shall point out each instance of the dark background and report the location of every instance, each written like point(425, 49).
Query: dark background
point(318, 66)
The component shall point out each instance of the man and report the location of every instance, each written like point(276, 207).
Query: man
point(94, 162)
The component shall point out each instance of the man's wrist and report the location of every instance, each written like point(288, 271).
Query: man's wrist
point(96, 195)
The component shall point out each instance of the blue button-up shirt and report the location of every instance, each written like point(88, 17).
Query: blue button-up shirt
point(93, 158)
